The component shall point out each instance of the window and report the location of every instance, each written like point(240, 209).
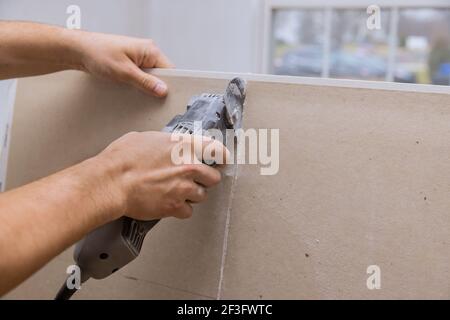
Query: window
point(424, 45)
point(298, 38)
point(357, 52)
point(412, 45)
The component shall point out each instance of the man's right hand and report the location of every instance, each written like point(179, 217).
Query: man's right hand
point(147, 184)
point(135, 176)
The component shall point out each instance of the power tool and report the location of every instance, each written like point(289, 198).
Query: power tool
point(112, 246)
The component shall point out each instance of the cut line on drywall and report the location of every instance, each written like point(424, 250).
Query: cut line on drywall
point(226, 232)
point(235, 173)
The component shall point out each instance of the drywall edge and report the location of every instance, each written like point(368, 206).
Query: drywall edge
point(341, 83)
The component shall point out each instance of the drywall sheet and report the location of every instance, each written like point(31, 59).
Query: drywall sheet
point(364, 179)
point(64, 118)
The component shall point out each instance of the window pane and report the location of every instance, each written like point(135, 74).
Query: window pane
point(424, 45)
point(298, 42)
point(356, 51)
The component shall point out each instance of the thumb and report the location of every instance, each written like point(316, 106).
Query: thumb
point(210, 151)
point(147, 82)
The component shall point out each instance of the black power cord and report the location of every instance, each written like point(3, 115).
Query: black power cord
point(64, 292)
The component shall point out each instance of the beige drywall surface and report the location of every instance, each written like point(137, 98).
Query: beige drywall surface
point(64, 118)
point(364, 180)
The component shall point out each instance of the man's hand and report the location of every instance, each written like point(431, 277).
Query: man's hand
point(29, 49)
point(133, 176)
point(150, 186)
point(121, 59)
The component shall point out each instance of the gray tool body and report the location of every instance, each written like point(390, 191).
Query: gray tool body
point(114, 245)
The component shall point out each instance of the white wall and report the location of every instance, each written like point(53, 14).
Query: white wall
point(216, 35)
point(113, 16)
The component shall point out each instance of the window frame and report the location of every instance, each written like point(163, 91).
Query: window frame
point(328, 6)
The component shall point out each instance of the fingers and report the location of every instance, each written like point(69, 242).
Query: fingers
point(150, 57)
point(201, 173)
point(198, 154)
point(214, 152)
point(206, 175)
point(198, 149)
point(208, 150)
point(154, 57)
point(184, 211)
point(162, 61)
point(146, 82)
point(193, 192)
point(187, 192)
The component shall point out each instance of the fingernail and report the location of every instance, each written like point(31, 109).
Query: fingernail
point(160, 88)
point(201, 191)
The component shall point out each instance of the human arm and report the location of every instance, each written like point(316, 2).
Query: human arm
point(134, 176)
point(28, 49)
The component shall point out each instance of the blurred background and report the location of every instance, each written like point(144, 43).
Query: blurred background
point(320, 38)
point(412, 45)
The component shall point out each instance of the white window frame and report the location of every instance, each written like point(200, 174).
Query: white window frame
point(265, 62)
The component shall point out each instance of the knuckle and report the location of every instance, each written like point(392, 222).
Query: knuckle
point(154, 50)
point(150, 51)
point(186, 188)
point(175, 206)
point(190, 169)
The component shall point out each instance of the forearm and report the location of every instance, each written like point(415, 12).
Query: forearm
point(28, 49)
point(38, 221)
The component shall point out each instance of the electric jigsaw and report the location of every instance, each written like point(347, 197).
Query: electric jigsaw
point(112, 246)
